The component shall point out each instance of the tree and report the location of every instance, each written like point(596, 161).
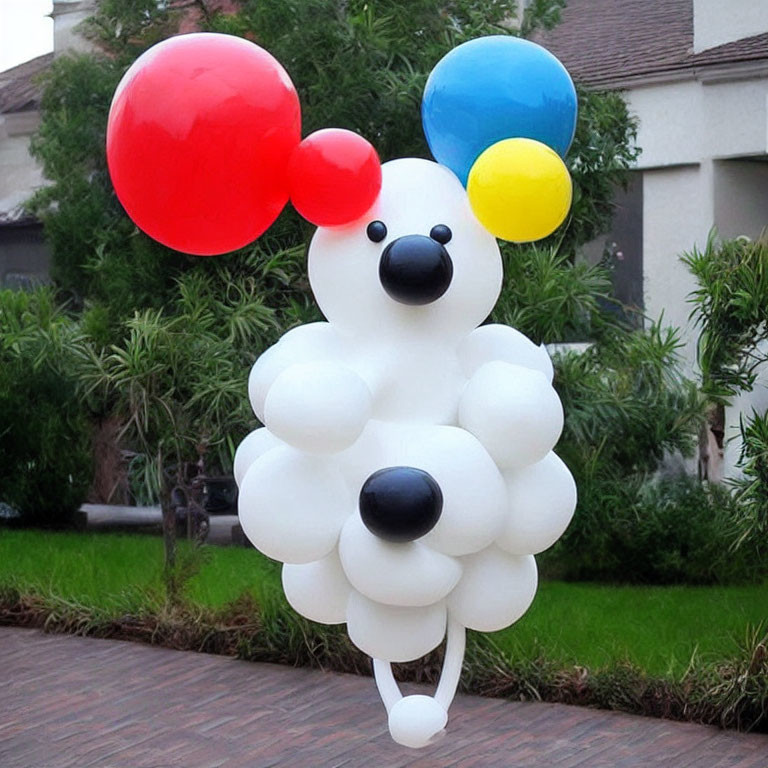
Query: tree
point(730, 307)
point(356, 65)
point(359, 65)
point(175, 382)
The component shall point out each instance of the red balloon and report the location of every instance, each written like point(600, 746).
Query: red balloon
point(200, 134)
point(335, 177)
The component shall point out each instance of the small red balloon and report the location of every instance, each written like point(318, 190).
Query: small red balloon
point(200, 134)
point(335, 177)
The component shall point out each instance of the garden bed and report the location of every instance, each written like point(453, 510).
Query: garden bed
point(692, 653)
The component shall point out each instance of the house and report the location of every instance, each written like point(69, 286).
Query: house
point(695, 74)
point(24, 255)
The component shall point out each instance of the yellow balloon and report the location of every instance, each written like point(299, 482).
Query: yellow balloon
point(520, 190)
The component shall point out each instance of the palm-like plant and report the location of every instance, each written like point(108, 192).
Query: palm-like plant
point(730, 307)
point(177, 379)
point(550, 298)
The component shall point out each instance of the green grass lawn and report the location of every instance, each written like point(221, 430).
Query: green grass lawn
point(657, 628)
point(593, 625)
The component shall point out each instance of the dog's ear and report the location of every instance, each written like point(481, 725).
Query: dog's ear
point(520, 190)
point(200, 133)
point(334, 177)
point(500, 112)
point(204, 148)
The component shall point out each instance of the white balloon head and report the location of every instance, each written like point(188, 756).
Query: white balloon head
point(344, 263)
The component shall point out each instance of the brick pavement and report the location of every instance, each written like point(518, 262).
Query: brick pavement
point(70, 702)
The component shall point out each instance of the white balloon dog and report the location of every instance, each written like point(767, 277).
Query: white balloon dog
point(405, 475)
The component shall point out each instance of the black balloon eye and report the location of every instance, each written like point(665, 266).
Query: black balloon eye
point(376, 231)
point(441, 233)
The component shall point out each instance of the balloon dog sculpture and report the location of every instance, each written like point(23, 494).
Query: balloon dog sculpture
point(405, 473)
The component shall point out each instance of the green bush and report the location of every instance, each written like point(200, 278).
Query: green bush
point(628, 407)
point(45, 451)
point(662, 531)
point(627, 404)
point(730, 306)
point(751, 488)
point(45, 438)
point(550, 298)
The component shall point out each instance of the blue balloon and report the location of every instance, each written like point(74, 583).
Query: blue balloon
point(495, 88)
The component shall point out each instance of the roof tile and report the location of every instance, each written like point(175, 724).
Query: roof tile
point(19, 89)
point(602, 41)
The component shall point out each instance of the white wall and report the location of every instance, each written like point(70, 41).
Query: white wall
point(677, 214)
point(686, 122)
point(716, 22)
point(67, 15)
point(21, 175)
point(741, 197)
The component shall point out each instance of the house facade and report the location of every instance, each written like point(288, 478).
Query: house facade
point(24, 255)
point(695, 75)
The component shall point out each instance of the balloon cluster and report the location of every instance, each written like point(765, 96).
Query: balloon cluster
point(500, 112)
point(405, 474)
point(204, 148)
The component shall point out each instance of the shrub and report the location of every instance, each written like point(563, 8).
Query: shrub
point(628, 407)
point(751, 489)
point(550, 298)
point(627, 404)
point(662, 531)
point(731, 307)
point(45, 443)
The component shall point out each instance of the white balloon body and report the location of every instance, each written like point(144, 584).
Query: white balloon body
point(253, 446)
point(385, 384)
point(513, 411)
point(318, 590)
point(317, 407)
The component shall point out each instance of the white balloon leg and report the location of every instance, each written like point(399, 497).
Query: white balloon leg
point(417, 721)
point(452, 663)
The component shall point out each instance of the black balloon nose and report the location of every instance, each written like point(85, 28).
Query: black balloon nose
point(415, 269)
point(400, 503)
